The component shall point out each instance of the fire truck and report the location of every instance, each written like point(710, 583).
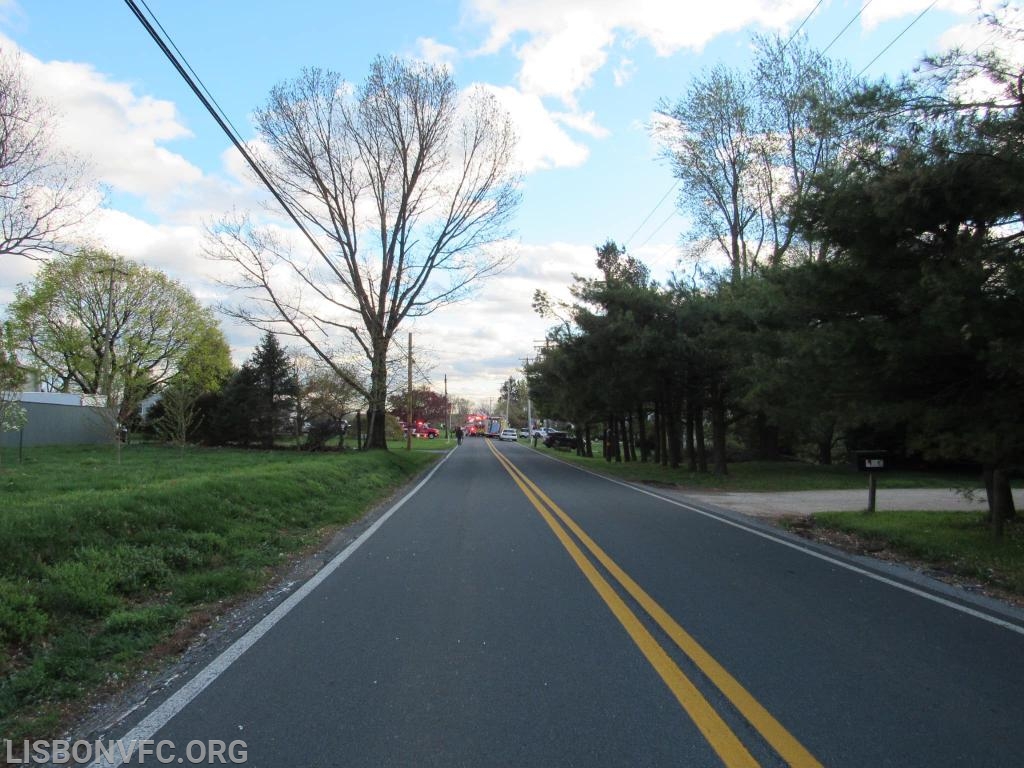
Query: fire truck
point(480, 424)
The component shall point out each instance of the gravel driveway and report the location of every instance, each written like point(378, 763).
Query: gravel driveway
point(809, 502)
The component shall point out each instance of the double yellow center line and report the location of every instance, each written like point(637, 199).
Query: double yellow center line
point(718, 734)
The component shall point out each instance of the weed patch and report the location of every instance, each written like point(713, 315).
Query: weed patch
point(104, 562)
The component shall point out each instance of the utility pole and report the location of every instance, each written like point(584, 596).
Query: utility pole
point(408, 410)
point(529, 403)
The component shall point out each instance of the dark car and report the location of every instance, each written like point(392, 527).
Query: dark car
point(556, 439)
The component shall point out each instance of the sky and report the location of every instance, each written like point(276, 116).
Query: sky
point(580, 79)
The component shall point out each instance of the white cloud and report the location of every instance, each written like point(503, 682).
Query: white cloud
point(562, 61)
point(431, 51)
point(123, 136)
point(119, 132)
point(542, 142)
point(878, 13)
point(624, 71)
point(582, 122)
point(568, 41)
point(480, 343)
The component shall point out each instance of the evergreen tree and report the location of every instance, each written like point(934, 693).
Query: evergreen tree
point(275, 389)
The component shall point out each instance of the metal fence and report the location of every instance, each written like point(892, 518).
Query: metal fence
point(59, 424)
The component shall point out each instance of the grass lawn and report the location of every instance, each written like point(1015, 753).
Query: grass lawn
point(101, 561)
point(958, 542)
point(423, 444)
point(765, 475)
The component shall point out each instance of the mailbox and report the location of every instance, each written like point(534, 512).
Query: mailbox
point(871, 461)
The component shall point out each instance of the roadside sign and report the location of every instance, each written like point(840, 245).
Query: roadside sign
point(871, 461)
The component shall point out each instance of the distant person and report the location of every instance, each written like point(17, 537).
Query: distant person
point(458, 435)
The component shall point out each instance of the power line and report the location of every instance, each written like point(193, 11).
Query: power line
point(184, 61)
point(656, 231)
point(806, 19)
point(221, 121)
point(657, 205)
point(901, 34)
point(848, 25)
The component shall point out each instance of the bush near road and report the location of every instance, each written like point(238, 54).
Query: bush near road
point(101, 562)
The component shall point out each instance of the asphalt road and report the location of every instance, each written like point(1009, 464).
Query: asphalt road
point(515, 611)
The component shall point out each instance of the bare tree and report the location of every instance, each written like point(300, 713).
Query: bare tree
point(181, 416)
point(710, 137)
point(407, 187)
point(800, 93)
point(745, 144)
point(43, 189)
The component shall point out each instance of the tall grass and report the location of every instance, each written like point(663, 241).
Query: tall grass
point(103, 560)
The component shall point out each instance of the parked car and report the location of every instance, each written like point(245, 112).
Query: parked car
point(507, 434)
point(556, 439)
point(524, 432)
point(541, 432)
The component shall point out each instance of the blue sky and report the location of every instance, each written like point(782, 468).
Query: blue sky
point(581, 79)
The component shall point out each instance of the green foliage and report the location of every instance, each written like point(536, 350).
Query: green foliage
point(102, 560)
point(959, 542)
point(206, 364)
point(73, 588)
point(258, 402)
point(427, 406)
point(873, 299)
point(21, 620)
point(98, 323)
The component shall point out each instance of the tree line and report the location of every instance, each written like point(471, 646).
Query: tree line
point(866, 287)
point(404, 185)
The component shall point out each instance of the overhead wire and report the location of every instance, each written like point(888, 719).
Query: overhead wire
point(802, 23)
point(895, 39)
point(221, 120)
point(657, 229)
point(788, 41)
point(848, 25)
point(671, 189)
point(184, 61)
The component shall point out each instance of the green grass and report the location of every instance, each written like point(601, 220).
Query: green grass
point(423, 444)
point(960, 542)
point(101, 561)
point(766, 475)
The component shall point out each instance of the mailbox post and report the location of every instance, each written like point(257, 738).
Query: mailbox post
point(871, 462)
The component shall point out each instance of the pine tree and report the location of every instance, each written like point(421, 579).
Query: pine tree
point(275, 390)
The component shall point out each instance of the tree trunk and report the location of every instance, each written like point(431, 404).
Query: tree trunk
point(645, 449)
point(590, 446)
point(1000, 499)
point(718, 430)
point(675, 442)
point(702, 443)
point(767, 438)
point(658, 433)
point(825, 444)
point(691, 447)
point(376, 433)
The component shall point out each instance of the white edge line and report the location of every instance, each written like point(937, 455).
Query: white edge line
point(808, 551)
point(181, 698)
